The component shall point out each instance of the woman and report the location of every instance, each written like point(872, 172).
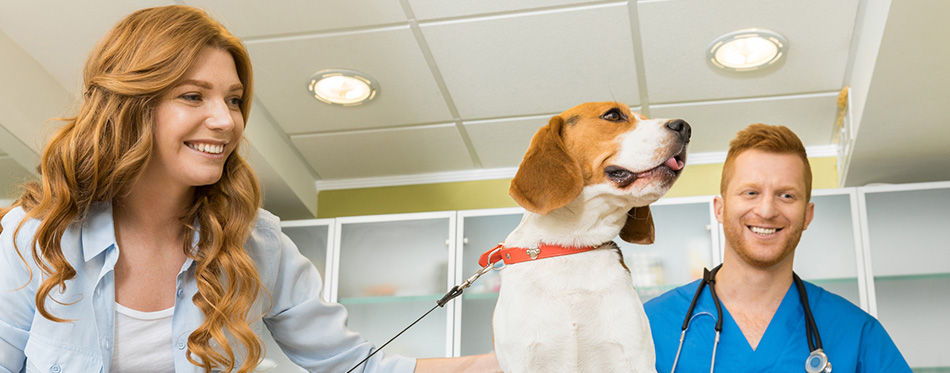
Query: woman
point(148, 169)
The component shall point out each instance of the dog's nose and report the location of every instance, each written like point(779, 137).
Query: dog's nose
point(680, 127)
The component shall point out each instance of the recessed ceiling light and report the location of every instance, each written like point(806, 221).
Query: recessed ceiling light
point(746, 50)
point(343, 87)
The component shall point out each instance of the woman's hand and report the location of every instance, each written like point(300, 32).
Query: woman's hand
point(473, 364)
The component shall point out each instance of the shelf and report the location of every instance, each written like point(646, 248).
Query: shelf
point(831, 280)
point(920, 276)
point(931, 370)
point(479, 296)
point(391, 299)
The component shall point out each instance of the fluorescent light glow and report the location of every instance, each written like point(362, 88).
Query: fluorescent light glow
point(343, 87)
point(746, 50)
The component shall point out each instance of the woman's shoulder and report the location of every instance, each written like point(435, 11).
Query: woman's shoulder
point(265, 237)
point(266, 222)
point(13, 219)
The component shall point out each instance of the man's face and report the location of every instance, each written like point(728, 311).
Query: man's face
point(763, 209)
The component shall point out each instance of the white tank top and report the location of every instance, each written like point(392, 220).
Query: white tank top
point(143, 341)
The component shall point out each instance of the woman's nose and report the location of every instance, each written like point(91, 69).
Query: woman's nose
point(219, 116)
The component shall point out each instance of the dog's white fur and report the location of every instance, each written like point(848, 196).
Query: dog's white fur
point(580, 312)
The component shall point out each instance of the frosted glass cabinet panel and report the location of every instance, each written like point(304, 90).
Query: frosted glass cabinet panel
point(908, 231)
point(312, 238)
point(826, 254)
point(392, 269)
point(682, 248)
point(480, 231)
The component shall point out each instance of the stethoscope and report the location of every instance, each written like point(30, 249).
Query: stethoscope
point(817, 361)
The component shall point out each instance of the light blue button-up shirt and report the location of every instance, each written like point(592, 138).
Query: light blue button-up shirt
point(311, 332)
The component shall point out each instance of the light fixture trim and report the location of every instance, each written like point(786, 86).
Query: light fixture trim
point(774, 43)
point(343, 87)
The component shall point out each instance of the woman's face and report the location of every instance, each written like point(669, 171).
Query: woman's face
point(198, 123)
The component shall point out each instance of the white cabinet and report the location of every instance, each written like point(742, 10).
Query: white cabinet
point(391, 270)
point(685, 242)
point(827, 253)
point(479, 231)
point(886, 249)
point(908, 237)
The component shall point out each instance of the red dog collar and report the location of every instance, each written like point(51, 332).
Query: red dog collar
point(512, 255)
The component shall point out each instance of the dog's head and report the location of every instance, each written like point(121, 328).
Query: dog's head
point(605, 146)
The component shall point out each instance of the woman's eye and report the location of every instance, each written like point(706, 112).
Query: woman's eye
point(191, 97)
point(235, 101)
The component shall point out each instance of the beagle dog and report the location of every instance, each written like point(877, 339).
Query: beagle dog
point(587, 176)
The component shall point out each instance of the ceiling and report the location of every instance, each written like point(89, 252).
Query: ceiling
point(465, 84)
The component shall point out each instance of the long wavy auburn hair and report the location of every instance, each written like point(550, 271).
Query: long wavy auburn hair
point(99, 154)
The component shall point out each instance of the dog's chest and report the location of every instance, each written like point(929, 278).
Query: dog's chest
point(569, 314)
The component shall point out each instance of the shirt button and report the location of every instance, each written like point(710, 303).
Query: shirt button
point(181, 345)
point(180, 292)
point(105, 344)
point(55, 369)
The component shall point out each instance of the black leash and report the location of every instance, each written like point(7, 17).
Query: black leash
point(452, 294)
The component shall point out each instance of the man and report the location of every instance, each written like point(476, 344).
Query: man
point(764, 207)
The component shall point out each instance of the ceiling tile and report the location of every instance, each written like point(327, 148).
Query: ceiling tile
point(433, 9)
point(11, 176)
point(503, 142)
point(811, 117)
point(259, 18)
point(539, 62)
point(404, 151)
point(60, 36)
point(676, 34)
point(408, 93)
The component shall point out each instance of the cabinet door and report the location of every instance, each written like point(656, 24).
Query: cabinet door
point(683, 246)
point(392, 270)
point(908, 233)
point(826, 254)
point(480, 231)
point(313, 240)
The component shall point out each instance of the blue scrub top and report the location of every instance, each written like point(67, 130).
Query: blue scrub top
point(853, 340)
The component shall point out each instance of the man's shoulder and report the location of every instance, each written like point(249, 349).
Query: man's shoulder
point(826, 302)
point(674, 299)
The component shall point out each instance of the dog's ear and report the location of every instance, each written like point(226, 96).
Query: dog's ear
point(548, 177)
point(639, 226)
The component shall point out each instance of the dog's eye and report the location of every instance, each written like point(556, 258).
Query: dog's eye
point(614, 115)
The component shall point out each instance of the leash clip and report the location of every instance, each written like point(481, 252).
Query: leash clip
point(457, 289)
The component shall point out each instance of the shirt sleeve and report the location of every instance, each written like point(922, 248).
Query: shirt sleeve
point(17, 291)
point(311, 332)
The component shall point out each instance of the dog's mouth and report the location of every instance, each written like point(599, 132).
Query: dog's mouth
point(670, 168)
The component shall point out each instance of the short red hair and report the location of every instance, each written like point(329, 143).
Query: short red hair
point(772, 139)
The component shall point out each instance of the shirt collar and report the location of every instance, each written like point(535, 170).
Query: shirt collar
point(98, 230)
point(790, 305)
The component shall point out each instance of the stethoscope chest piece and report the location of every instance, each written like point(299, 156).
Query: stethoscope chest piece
point(817, 362)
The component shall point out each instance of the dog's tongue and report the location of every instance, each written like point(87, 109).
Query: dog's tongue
point(674, 164)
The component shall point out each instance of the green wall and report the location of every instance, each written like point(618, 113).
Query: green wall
point(697, 180)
